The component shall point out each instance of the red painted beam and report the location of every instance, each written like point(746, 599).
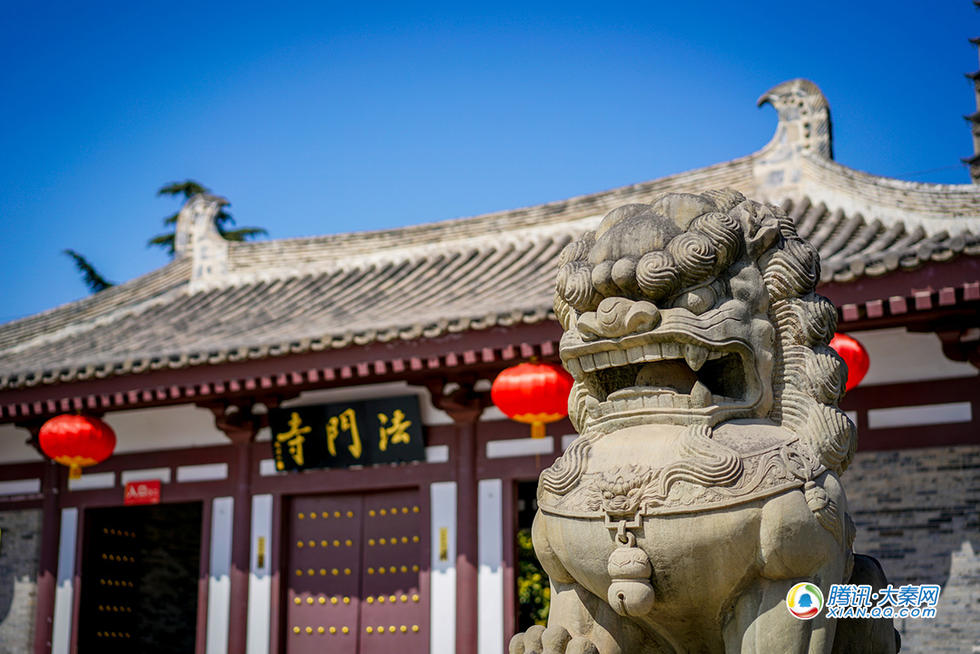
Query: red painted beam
point(930, 277)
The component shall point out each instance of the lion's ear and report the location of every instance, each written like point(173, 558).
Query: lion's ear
point(763, 239)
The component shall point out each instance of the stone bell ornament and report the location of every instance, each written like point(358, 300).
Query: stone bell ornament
point(630, 592)
point(705, 480)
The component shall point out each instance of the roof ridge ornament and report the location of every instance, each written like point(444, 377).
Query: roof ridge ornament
point(804, 116)
point(197, 235)
point(804, 129)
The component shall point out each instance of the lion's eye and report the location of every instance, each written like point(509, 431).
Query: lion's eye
point(697, 301)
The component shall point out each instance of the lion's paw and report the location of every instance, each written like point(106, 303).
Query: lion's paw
point(551, 640)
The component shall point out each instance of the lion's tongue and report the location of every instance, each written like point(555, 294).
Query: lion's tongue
point(674, 375)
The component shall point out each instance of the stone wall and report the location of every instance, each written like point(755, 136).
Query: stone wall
point(917, 512)
point(20, 544)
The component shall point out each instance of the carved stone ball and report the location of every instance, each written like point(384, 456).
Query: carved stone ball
point(629, 563)
point(631, 597)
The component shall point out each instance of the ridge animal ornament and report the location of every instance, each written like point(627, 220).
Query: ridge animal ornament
point(705, 480)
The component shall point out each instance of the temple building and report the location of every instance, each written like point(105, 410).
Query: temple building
point(308, 458)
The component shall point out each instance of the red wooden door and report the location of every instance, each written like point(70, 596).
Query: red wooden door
point(352, 565)
point(392, 614)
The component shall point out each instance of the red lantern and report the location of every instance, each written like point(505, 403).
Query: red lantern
point(77, 441)
point(535, 393)
point(854, 355)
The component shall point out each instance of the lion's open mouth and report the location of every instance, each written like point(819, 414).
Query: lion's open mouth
point(664, 375)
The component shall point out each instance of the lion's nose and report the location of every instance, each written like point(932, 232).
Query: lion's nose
point(617, 316)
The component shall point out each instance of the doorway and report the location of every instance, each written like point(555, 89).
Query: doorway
point(532, 587)
point(139, 579)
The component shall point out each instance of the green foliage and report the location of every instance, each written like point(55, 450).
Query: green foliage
point(186, 190)
point(95, 281)
point(533, 586)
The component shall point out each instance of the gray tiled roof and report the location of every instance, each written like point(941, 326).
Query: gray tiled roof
point(852, 246)
point(453, 289)
point(157, 321)
point(290, 296)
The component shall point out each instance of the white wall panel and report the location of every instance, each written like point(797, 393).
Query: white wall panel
point(14, 447)
point(442, 596)
point(490, 626)
point(219, 583)
point(901, 356)
point(92, 480)
point(925, 414)
point(145, 474)
point(259, 578)
point(202, 472)
point(520, 447)
point(65, 591)
point(164, 428)
point(20, 487)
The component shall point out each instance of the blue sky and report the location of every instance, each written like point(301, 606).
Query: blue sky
point(320, 118)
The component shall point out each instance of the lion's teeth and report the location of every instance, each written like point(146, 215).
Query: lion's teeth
point(652, 352)
point(588, 362)
point(602, 360)
point(635, 354)
point(695, 355)
point(574, 367)
point(700, 396)
point(617, 357)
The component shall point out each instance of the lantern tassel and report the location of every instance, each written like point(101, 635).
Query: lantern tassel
point(537, 430)
point(74, 471)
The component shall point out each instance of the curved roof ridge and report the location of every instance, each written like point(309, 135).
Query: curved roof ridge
point(934, 207)
point(248, 256)
point(319, 261)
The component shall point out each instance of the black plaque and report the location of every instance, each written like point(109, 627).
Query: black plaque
point(367, 432)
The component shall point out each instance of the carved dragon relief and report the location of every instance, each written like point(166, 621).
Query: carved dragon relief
point(706, 398)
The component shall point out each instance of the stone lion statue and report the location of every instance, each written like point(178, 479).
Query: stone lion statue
point(705, 482)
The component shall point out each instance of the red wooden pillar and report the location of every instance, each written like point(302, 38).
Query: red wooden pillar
point(242, 533)
point(240, 425)
point(47, 569)
point(466, 534)
point(464, 406)
point(47, 572)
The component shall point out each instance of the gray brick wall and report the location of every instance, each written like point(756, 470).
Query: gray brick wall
point(917, 512)
point(20, 544)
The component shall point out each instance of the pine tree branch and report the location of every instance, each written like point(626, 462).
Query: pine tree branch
point(223, 216)
point(95, 281)
point(165, 241)
point(242, 234)
point(188, 188)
